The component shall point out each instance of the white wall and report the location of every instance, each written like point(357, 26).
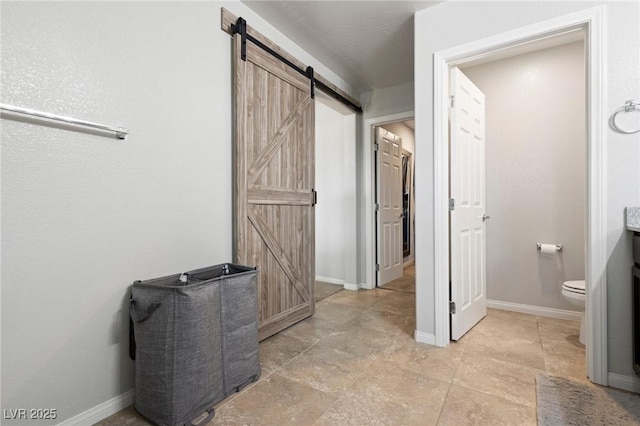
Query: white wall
point(408, 142)
point(335, 183)
point(83, 216)
point(389, 100)
point(536, 162)
point(451, 24)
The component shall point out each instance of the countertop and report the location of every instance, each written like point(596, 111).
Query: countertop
point(633, 219)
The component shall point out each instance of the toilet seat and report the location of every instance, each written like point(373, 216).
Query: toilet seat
point(577, 287)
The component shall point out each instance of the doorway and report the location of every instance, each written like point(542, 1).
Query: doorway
point(335, 243)
point(533, 116)
point(393, 166)
point(591, 22)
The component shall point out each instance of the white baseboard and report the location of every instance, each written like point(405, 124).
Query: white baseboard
point(408, 263)
point(366, 286)
point(329, 280)
point(102, 411)
point(351, 286)
point(428, 338)
point(535, 310)
point(628, 383)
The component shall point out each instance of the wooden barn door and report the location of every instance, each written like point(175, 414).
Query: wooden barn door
point(274, 179)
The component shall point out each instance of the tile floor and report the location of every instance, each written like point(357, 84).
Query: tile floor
point(322, 289)
point(355, 363)
point(406, 283)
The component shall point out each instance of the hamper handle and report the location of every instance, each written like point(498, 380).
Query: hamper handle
point(145, 314)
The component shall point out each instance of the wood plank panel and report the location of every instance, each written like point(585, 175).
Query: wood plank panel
point(274, 157)
point(280, 196)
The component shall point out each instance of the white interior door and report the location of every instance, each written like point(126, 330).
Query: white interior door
point(389, 168)
point(468, 237)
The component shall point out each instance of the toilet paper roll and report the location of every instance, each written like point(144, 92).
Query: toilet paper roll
point(548, 248)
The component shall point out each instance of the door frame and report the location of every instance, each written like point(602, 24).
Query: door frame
point(593, 22)
point(369, 248)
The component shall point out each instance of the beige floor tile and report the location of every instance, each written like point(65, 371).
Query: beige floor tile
point(559, 330)
point(467, 407)
point(382, 321)
point(312, 329)
point(406, 283)
point(559, 323)
point(360, 341)
point(279, 349)
point(507, 380)
point(360, 298)
point(397, 303)
point(573, 368)
point(509, 315)
point(326, 368)
point(425, 360)
point(322, 290)
point(337, 312)
point(388, 395)
point(571, 347)
point(512, 349)
point(275, 401)
point(507, 328)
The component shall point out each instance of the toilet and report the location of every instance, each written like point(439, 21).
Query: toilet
point(574, 293)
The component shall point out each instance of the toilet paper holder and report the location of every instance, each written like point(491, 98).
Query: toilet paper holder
point(558, 246)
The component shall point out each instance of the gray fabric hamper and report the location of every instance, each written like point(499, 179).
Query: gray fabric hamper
point(239, 314)
point(186, 327)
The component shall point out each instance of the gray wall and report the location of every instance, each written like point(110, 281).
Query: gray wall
point(451, 24)
point(536, 163)
point(84, 216)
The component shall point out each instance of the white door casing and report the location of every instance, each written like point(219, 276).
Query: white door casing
point(468, 237)
point(389, 166)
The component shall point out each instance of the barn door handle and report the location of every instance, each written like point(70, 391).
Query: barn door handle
point(314, 197)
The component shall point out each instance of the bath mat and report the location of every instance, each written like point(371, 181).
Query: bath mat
point(565, 402)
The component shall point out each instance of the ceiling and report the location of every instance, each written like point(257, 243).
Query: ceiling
point(369, 44)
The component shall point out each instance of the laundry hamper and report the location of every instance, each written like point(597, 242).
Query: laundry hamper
point(177, 349)
point(185, 327)
point(239, 320)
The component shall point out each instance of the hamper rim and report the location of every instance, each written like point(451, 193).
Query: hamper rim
point(152, 281)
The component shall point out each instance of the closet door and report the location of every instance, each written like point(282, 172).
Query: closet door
point(274, 179)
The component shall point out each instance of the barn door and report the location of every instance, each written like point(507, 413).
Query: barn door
point(274, 178)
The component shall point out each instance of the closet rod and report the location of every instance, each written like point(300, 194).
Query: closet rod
point(119, 131)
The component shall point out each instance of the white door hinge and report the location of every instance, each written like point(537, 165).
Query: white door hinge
point(451, 101)
point(452, 307)
point(377, 207)
point(452, 204)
